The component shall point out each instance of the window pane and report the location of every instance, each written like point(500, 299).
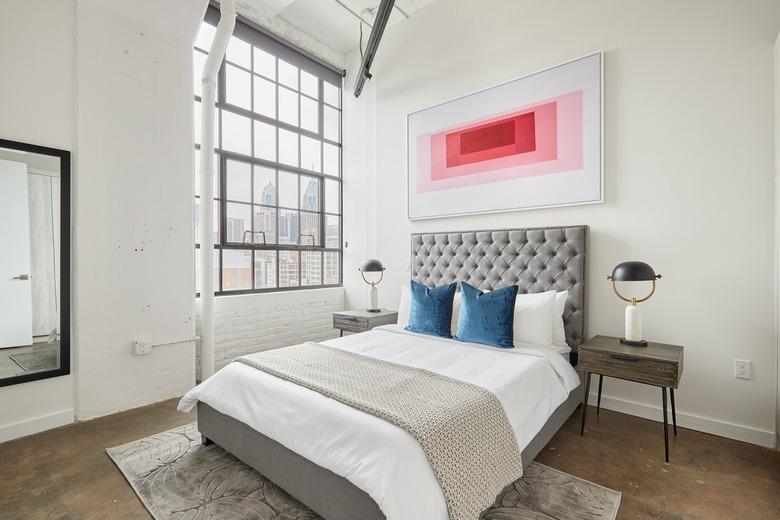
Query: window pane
point(198, 60)
point(205, 36)
point(288, 147)
point(330, 159)
point(196, 163)
point(197, 123)
point(265, 269)
point(288, 268)
point(332, 196)
point(310, 193)
point(288, 190)
point(236, 270)
point(236, 133)
point(265, 64)
point(310, 229)
point(238, 225)
point(288, 74)
point(197, 270)
point(311, 268)
point(288, 106)
point(239, 181)
point(238, 52)
point(331, 268)
point(265, 186)
point(265, 97)
point(332, 231)
point(311, 154)
point(197, 221)
point(310, 85)
point(310, 115)
point(265, 141)
point(331, 123)
point(331, 94)
point(288, 226)
point(265, 221)
point(238, 87)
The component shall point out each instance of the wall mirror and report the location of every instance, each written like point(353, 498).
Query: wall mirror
point(34, 262)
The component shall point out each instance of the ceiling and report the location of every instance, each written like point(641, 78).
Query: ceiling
point(328, 28)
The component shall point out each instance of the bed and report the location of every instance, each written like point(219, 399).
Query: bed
point(345, 464)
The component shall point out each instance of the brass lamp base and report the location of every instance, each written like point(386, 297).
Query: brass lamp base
point(640, 343)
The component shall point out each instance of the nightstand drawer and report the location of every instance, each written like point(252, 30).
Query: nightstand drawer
point(361, 320)
point(350, 323)
point(632, 368)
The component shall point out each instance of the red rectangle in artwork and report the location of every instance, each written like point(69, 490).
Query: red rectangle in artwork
point(487, 137)
point(502, 138)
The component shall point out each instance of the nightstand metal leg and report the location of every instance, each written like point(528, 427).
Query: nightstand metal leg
point(585, 402)
point(666, 426)
point(598, 403)
point(341, 332)
point(674, 411)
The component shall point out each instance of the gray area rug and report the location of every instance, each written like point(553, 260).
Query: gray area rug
point(40, 358)
point(178, 479)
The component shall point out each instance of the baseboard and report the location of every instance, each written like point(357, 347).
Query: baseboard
point(38, 424)
point(686, 420)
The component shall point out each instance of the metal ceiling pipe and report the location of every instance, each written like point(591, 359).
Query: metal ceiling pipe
point(380, 22)
point(227, 22)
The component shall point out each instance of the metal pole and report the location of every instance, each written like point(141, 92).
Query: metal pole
point(227, 23)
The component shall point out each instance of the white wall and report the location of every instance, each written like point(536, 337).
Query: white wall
point(134, 233)
point(688, 171)
point(777, 237)
point(36, 106)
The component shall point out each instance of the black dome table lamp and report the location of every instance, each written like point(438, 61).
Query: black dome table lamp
point(372, 266)
point(633, 272)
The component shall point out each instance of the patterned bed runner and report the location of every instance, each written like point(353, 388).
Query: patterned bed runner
point(461, 427)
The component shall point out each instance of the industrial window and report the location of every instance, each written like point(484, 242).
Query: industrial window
point(278, 216)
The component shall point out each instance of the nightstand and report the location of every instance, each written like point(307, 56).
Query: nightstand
point(656, 364)
point(362, 320)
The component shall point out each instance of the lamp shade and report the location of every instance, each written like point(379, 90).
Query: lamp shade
point(633, 272)
point(372, 265)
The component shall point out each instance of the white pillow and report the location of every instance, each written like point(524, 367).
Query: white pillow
point(405, 306)
point(558, 333)
point(533, 322)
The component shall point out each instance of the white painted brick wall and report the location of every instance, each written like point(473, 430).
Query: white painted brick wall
point(256, 322)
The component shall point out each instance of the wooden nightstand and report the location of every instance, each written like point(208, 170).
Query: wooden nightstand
point(362, 320)
point(656, 364)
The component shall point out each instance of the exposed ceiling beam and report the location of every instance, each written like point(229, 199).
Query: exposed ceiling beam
point(380, 22)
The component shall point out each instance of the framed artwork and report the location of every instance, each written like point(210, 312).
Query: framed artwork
point(534, 142)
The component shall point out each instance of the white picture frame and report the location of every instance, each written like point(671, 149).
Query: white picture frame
point(485, 152)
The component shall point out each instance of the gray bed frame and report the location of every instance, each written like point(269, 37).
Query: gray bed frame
point(535, 259)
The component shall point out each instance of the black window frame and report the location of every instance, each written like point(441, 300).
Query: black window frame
point(247, 32)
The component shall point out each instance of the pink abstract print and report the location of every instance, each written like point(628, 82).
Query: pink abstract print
point(539, 139)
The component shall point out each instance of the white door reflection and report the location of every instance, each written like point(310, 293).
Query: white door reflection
point(29, 263)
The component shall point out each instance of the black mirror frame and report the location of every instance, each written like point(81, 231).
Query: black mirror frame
point(65, 187)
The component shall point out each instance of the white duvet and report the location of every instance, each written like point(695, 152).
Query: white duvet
point(374, 455)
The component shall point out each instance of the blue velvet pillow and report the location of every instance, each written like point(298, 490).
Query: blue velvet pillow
point(487, 317)
point(431, 309)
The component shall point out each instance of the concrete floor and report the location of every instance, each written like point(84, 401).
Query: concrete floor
point(66, 474)
point(9, 368)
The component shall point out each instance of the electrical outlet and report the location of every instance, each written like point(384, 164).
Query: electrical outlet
point(742, 368)
point(141, 348)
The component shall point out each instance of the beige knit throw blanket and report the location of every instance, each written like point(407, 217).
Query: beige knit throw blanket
point(461, 427)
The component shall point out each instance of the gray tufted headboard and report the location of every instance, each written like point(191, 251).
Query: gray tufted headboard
point(536, 259)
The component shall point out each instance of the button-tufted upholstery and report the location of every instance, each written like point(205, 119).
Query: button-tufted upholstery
point(537, 260)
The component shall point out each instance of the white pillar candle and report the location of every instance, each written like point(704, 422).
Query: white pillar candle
point(633, 323)
point(373, 298)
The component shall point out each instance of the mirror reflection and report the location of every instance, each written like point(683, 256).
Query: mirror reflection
point(29, 262)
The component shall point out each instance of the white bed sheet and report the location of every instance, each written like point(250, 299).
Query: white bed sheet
point(374, 455)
